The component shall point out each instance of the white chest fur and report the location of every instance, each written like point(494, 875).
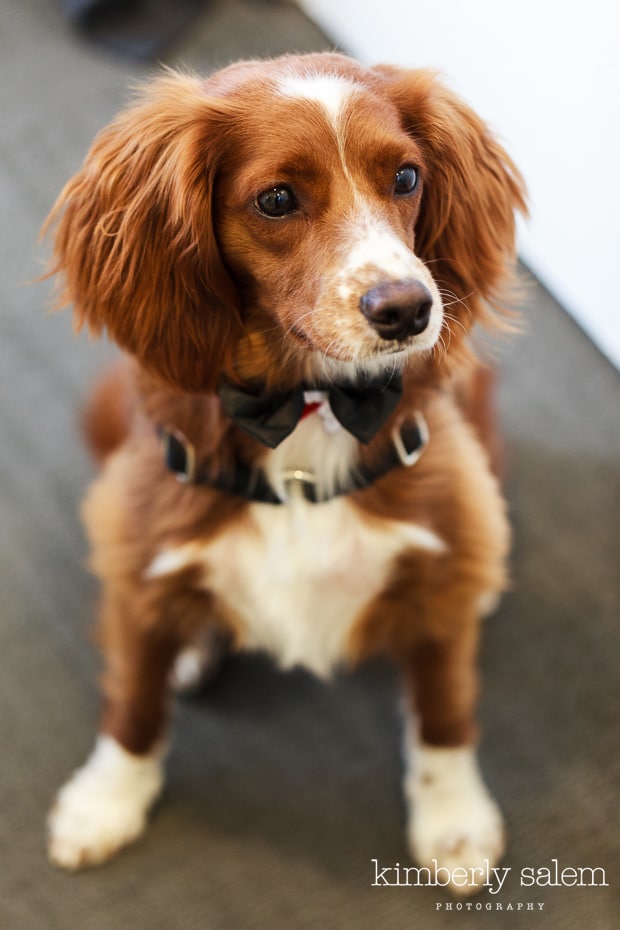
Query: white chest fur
point(297, 576)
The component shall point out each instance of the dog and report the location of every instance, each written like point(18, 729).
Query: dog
point(298, 450)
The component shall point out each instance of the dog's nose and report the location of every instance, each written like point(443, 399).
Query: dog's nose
point(397, 309)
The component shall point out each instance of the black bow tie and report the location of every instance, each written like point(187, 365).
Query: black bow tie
point(362, 408)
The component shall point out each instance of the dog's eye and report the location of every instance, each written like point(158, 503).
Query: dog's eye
point(405, 180)
point(277, 201)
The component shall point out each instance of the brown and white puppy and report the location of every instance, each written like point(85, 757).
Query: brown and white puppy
point(288, 233)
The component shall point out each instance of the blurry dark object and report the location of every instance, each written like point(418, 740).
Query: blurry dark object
point(138, 28)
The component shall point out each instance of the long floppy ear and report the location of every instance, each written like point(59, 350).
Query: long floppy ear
point(466, 228)
point(134, 236)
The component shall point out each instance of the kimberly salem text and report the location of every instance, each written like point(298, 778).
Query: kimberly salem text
point(491, 877)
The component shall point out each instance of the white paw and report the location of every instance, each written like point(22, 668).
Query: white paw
point(103, 807)
point(454, 823)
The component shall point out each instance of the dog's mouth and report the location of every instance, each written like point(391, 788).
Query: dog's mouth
point(371, 357)
point(301, 337)
point(320, 368)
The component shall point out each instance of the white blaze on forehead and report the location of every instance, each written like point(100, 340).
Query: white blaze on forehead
point(330, 90)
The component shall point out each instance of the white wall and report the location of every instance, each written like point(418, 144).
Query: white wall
point(546, 75)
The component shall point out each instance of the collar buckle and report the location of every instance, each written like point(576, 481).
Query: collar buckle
point(301, 480)
point(179, 455)
point(410, 437)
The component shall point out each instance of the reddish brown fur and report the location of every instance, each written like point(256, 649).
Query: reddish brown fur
point(107, 417)
point(141, 210)
point(158, 243)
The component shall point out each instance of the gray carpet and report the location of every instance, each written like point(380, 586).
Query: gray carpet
point(282, 790)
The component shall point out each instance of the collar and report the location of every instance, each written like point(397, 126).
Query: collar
point(409, 438)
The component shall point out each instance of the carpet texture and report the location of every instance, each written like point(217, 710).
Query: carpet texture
point(282, 790)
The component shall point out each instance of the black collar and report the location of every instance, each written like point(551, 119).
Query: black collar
point(408, 440)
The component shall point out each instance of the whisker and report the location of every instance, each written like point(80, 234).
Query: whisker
point(439, 349)
point(301, 319)
point(455, 299)
point(453, 319)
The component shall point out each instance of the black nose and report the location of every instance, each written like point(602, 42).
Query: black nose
point(397, 309)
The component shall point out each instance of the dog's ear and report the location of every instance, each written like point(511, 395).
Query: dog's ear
point(134, 236)
point(466, 228)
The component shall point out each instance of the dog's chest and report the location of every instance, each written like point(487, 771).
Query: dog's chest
point(297, 577)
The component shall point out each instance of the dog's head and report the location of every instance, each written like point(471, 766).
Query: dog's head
point(304, 213)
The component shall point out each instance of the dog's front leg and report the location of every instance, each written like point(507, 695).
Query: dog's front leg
point(103, 807)
point(453, 822)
